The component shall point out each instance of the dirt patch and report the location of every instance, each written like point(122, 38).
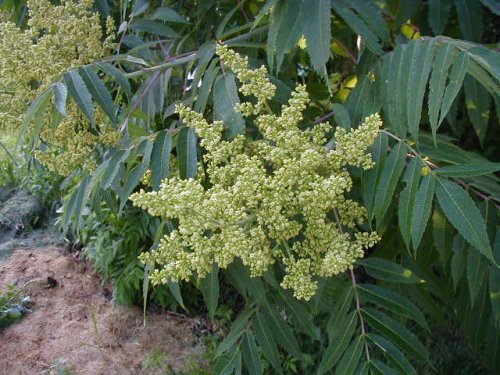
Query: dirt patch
point(74, 321)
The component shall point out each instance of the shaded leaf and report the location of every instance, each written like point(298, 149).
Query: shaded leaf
point(477, 102)
point(225, 99)
point(281, 331)
point(419, 69)
point(209, 286)
point(386, 270)
point(407, 198)
point(439, 11)
point(457, 75)
point(117, 75)
point(380, 368)
point(80, 93)
point(228, 364)
point(358, 25)
point(393, 302)
point(470, 19)
point(393, 354)
point(266, 342)
point(463, 214)
point(160, 158)
point(340, 339)
point(251, 355)
point(60, 97)
point(422, 211)
point(168, 15)
point(99, 91)
point(393, 167)
point(437, 82)
point(470, 170)
point(396, 332)
point(351, 357)
point(153, 27)
point(187, 153)
point(477, 268)
point(316, 28)
point(237, 329)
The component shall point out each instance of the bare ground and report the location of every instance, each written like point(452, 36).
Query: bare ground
point(75, 322)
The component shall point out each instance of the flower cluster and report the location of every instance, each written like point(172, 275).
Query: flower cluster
point(280, 197)
point(32, 58)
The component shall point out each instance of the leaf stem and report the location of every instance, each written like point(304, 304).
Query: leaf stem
point(432, 166)
point(356, 295)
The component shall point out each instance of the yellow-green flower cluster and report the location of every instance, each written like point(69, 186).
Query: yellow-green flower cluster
point(56, 39)
point(280, 197)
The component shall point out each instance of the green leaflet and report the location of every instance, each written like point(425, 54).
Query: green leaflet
point(209, 286)
point(392, 302)
point(437, 83)
point(160, 158)
point(316, 28)
point(133, 177)
point(251, 356)
point(99, 92)
point(422, 210)
point(80, 93)
point(111, 173)
point(439, 11)
point(337, 315)
point(225, 99)
point(363, 100)
point(494, 292)
point(284, 32)
point(301, 316)
point(175, 289)
point(357, 24)
point(477, 102)
point(477, 269)
point(372, 15)
point(209, 77)
point(371, 177)
point(281, 331)
point(341, 116)
point(458, 259)
point(396, 332)
point(396, 90)
point(393, 354)
point(386, 270)
point(61, 97)
point(457, 75)
point(187, 153)
point(340, 339)
point(463, 214)
point(470, 170)
point(266, 341)
point(237, 329)
point(470, 19)
point(229, 364)
point(168, 15)
point(380, 368)
point(419, 69)
point(153, 27)
point(117, 75)
point(393, 167)
point(407, 199)
point(351, 357)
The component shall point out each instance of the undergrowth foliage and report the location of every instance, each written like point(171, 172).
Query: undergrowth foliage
point(244, 125)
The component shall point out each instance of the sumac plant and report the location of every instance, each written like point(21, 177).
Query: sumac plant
point(327, 169)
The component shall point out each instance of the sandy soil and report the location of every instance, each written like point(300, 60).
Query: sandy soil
point(75, 322)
